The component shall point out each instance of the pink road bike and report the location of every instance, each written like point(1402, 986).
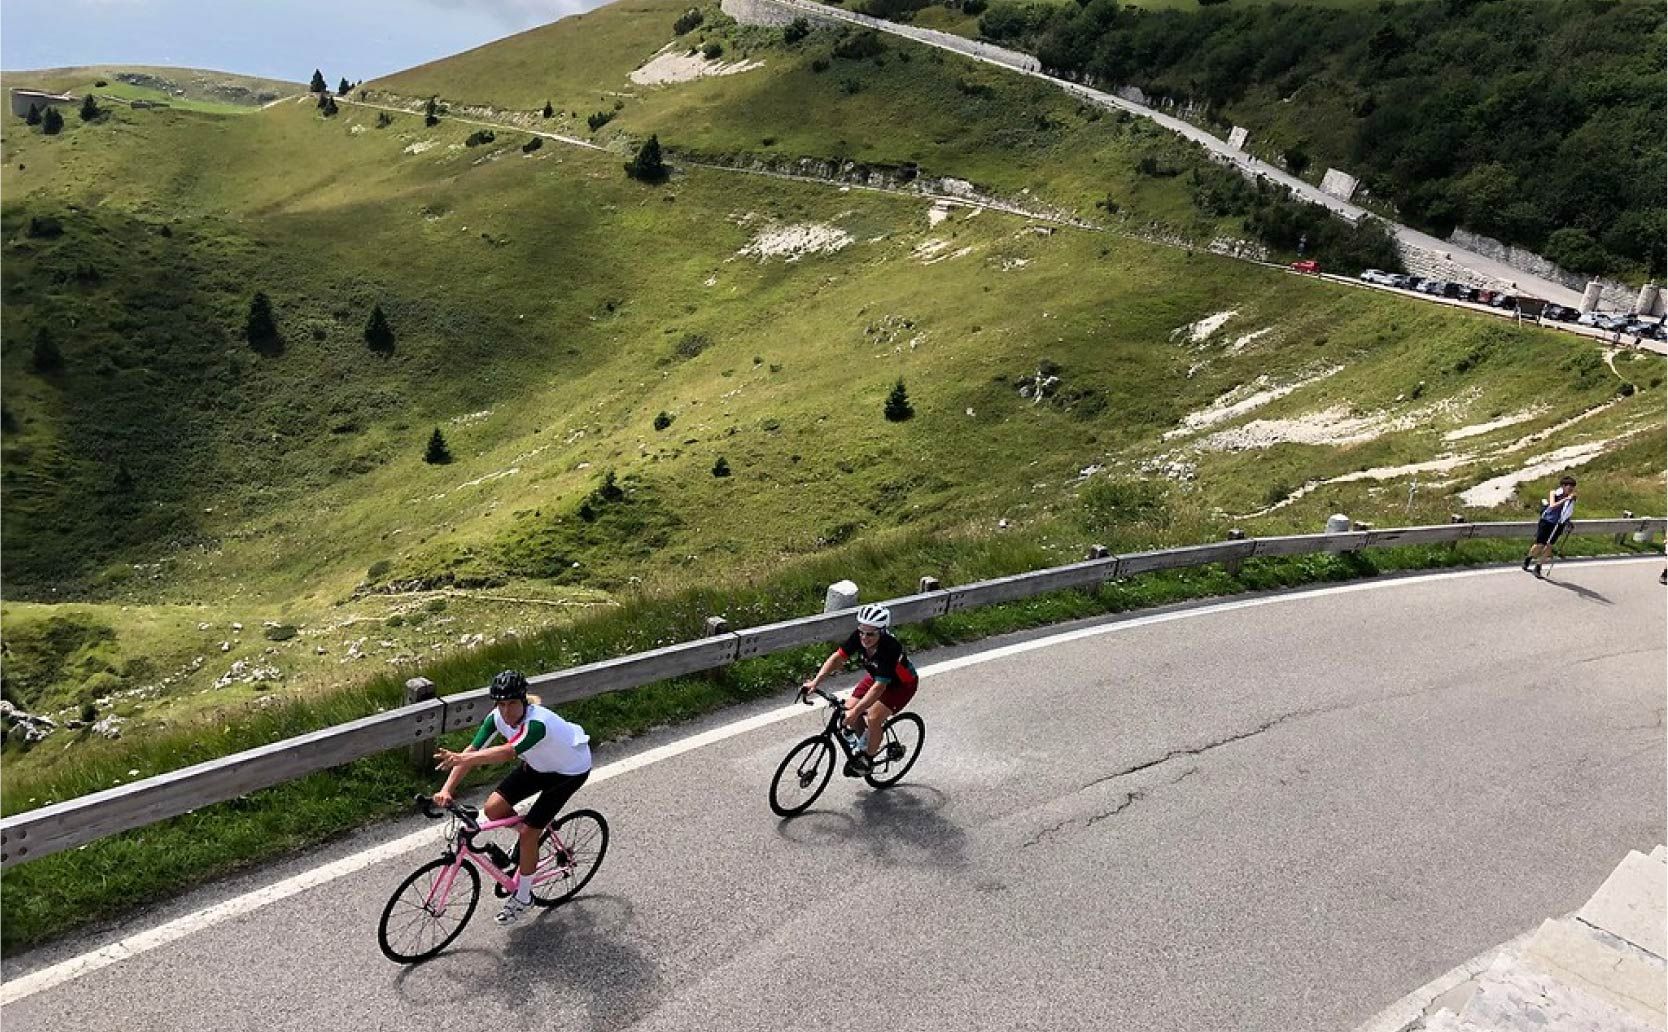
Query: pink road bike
point(435, 901)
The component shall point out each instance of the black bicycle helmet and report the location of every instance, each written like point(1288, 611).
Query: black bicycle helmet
point(509, 684)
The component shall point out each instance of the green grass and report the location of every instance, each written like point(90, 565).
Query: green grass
point(193, 89)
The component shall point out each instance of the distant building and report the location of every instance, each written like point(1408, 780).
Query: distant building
point(22, 100)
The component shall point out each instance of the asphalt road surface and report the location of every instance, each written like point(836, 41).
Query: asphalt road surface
point(1276, 816)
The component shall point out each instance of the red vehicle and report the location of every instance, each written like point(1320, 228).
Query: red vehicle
point(1307, 265)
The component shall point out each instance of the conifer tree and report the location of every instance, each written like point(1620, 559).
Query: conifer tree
point(34, 115)
point(648, 166)
point(261, 329)
point(52, 123)
point(437, 454)
point(46, 358)
point(379, 336)
point(89, 108)
point(318, 84)
point(898, 407)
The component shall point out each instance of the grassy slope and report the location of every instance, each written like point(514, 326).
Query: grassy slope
point(196, 89)
point(548, 293)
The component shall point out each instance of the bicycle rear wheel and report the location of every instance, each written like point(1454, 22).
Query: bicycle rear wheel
point(420, 920)
point(570, 851)
point(900, 746)
point(802, 776)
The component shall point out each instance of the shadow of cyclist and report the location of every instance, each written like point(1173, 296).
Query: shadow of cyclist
point(903, 825)
point(1587, 593)
point(584, 949)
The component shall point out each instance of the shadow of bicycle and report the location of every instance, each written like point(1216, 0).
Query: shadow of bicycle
point(581, 952)
point(903, 825)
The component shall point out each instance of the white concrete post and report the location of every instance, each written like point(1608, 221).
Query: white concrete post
point(841, 595)
point(1337, 523)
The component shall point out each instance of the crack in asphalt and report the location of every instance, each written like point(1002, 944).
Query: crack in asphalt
point(1198, 750)
point(1130, 799)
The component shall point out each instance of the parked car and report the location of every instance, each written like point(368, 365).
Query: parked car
point(1308, 265)
point(1432, 287)
point(1401, 281)
point(1484, 297)
point(1503, 300)
point(1589, 319)
point(1378, 277)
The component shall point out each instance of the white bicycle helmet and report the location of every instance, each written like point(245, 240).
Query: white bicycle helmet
point(874, 616)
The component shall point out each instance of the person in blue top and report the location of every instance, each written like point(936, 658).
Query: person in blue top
point(1556, 514)
point(555, 760)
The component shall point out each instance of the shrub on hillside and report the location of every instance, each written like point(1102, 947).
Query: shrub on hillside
point(261, 329)
point(317, 85)
point(795, 31)
point(598, 119)
point(479, 137)
point(431, 113)
point(721, 468)
point(663, 420)
point(548, 110)
point(342, 90)
point(45, 357)
point(712, 50)
point(437, 454)
point(52, 123)
point(384, 120)
point(44, 227)
point(34, 115)
point(692, 344)
point(648, 166)
point(688, 20)
point(532, 145)
point(379, 336)
point(819, 65)
point(859, 46)
point(282, 632)
point(90, 109)
point(327, 105)
point(898, 407)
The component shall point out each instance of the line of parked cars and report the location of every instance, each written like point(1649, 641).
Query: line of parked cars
point(1616, 322)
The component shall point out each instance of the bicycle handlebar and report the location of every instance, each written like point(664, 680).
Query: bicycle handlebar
point(833, 700)
point(466, 814)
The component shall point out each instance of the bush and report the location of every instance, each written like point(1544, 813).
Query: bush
point(384, 120)
point(851, 86)
point(435, 605)
point(688, 20)
point(532, 145)
point(721, 468)
point(379, 336)
point(974, 7)
point(1278, 492)
point(437, 454)
point(599, 119)
point(819, 65)
point(89, 108)
point(52, 123)
point(431, 112)
point(662, 421)
point(283, 632)
point(34, 115)
point(378, 570)
point(44, 227)
point(89, 713)
point(479, 137)
point(260, 329)
point(648, 166)
point(45, 358)
point(898, 407)
point(692, 344)
point(859, 46)
point(795, 31)
point(712, 50)
point(548, 110)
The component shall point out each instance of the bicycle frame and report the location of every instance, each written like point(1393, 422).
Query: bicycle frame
point(836, 729)
point(461, 847)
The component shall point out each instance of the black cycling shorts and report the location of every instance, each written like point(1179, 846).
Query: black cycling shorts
point(1544, 530)
point(554, 791)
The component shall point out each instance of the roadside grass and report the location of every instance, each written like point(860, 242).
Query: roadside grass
point(54, 895)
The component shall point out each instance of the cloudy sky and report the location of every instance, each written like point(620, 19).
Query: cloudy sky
point(281, 39)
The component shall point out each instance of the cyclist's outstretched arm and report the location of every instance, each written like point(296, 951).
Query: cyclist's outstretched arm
point(835, 659)
point(482, 736)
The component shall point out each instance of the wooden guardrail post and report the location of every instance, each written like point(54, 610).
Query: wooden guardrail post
point(1233, 565)
point(420, 689)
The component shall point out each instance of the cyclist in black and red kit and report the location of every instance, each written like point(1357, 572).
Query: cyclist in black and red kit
point(886, 666)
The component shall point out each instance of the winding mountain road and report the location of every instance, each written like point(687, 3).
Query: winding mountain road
point(1275, 813)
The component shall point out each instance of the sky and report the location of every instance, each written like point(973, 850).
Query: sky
point(279, 39)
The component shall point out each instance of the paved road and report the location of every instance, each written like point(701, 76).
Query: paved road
point(1026, 64)
point(1276, 816)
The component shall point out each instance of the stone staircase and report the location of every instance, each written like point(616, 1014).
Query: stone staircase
point(1599, 970)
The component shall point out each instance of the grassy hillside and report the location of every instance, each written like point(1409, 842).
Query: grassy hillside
point(192, 89)
point(558, 323)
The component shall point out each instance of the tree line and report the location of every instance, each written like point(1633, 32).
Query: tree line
point(1538, 122)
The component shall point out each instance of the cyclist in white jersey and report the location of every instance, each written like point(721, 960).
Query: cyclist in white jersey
point(555, 760)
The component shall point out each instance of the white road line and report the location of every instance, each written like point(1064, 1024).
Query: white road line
point(141, 942)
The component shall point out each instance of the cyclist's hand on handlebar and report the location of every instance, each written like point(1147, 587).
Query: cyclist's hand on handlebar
point(805, 691)
point(443, 799)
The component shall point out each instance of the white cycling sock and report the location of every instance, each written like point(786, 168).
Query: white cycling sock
point(524, 888)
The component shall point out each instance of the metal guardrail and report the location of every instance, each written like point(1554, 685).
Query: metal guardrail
point(73, 822)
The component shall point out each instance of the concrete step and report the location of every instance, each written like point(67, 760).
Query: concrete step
point(1632, 904)
point(1512, 996)
point(1603, 966)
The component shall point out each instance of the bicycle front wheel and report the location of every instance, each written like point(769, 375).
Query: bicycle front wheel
point(570, 851)
point(428, 911)
point(803, 775)
point(900, 746)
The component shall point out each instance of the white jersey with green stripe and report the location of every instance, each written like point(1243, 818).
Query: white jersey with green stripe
point(544, 741)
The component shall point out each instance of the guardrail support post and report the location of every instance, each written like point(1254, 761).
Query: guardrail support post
point(420, 689)
point(1453, 546)
point(1627, 514)
point(1233, 565)
point(841, 595)
point(1098, 552)
point(929, 584)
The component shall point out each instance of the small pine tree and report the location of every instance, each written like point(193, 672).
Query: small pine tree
point(379, 336)
point(431, 113)
point(648, 166)
point(34, 115)
point(342, 90)
point(46, 358)
point(437, 454)
point(548, 110)
point(89, 108)
point(261, 329)
point(721, 468)
point(610, 491)
point(898, 407)
point(318, 84)
point(329, 106)
point(52, 123)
